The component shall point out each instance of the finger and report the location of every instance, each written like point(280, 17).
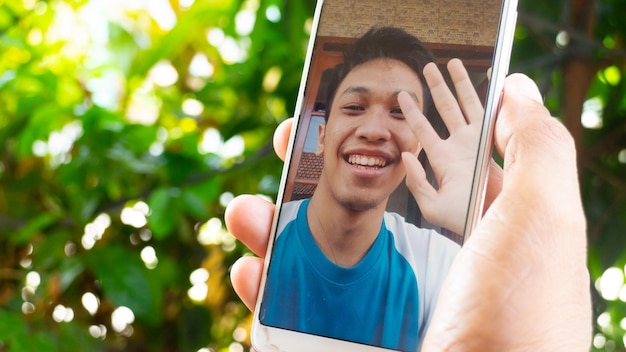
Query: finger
point(281, 138)
point(445, 102)
point(466, 92)
point(416, 181)
point(539, 153)
point(418, 123)
point(249, 218)
point(245, 275)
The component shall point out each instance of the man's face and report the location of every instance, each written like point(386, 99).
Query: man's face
point(366, 133)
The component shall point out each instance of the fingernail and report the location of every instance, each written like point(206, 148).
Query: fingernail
point(521, 84)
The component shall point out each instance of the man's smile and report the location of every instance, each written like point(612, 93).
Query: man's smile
point(368, 161)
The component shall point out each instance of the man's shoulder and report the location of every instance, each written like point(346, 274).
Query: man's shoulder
point(407, 235)
point(288, 213)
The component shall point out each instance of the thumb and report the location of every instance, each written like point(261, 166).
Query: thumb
point(539, 153)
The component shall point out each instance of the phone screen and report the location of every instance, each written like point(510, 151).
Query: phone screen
point(359, 251)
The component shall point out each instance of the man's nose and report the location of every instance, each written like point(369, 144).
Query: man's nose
point(373, 127)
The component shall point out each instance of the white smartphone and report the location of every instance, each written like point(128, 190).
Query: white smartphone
point(385, 174)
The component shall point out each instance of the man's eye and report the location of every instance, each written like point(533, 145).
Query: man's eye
point(353, 109)
point(397, 113)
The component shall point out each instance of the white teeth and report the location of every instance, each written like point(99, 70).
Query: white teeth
point(366, 161)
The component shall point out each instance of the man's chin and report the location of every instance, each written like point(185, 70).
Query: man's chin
point(361, 205)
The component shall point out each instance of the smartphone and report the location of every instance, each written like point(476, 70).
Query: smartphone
point(362, 237)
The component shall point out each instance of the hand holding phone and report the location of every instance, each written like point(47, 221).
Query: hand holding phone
point(527, 255)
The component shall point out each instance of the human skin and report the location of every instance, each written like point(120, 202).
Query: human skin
point(520, 282)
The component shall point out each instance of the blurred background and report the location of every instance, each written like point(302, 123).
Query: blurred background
point(126, 127)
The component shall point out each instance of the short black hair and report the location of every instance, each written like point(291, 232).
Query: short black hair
point(386, 43)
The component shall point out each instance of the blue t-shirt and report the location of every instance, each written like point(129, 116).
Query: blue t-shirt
point(376, 302)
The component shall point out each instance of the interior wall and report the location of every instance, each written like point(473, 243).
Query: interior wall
point(434, 21)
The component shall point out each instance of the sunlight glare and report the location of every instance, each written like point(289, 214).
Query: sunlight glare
point(562, 39)
point(35, 37)
point(233, 147)
point(98, 331)
point(28, 308)
point(611, 283)
point(149, 257)
point(599, 341)
point(272, 78)
point(272, 13)
point(211, 232)
point(225, 198)
point(604, 319)
point(613, 75)
point(163, 74)
point(33, 280)
point(144, 106)
point(592, 113)
point(29, 4)
point(215, 36)
point(198, 293)
point(121, 318)
point(162, 13)
point(621, 157)
point(158, 147)
point(40, 148)
point(135, 215)
point(199, 276)
point(186, 4)
point(231, 51)
point(622, 294)
point(95, 230)
point(106, 88)
point(90, 302)
point(200, 66)
point(69, 249)
point(59, 144)
point(62, 314)
point(192, 107)
point(240, 334)
point(235, 347)
point(244, 22)
point(211, 141)
point(67, 28)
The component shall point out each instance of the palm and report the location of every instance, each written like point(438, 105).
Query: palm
point(452, 159)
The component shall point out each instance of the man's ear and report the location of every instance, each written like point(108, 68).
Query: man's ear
point(321, 128)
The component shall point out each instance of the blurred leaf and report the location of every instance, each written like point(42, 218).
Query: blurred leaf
point(123, 278)
point(164, 207)
point(195, 205)
point(35, 226)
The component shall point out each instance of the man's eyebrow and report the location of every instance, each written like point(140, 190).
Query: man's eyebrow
point(365, 90)
point(356, 89)
point(412, 94)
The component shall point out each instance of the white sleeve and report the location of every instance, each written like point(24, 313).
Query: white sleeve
point(288, 212)
point(430, 255)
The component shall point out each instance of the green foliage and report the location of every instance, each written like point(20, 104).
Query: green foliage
point(110, 168)
point(123, 133)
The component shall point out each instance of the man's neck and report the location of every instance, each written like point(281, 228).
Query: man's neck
point(344, 235)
